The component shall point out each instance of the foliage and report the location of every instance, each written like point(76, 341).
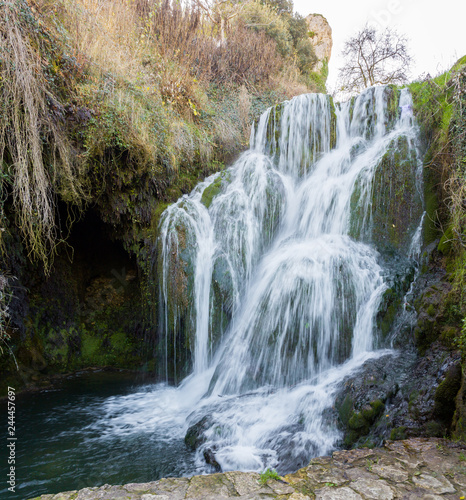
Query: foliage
point(461, 338)
point(260, 18)
point(246, 57)
point(289, 31)
point(86, 84)
point(268, 474)
point(374, 58)
point(221, 12)
point(30, 118)
point(439, 105)
point(280, 6)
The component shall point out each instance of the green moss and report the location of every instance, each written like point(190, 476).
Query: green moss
point(431, 310)
point(446, 393)
point(445, 244)
point(345, 410)
point(211, 191)
point(434, 429)
point(398, 433)
point(392, 96)
point(360, 422)
point(90, 350)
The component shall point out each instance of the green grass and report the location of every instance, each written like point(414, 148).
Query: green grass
point(268, 474)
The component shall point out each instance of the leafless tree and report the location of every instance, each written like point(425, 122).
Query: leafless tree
point(220, 12)
point(374, 58)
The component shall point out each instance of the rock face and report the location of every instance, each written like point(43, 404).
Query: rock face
point(321, 36)
point(415, 468)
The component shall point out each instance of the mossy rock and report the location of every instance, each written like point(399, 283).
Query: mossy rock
point(195, 436)
point(432, 315)
point(398, 433)
point(446, 393)
point(445, 244)
point(359, 423)
point(394, 202)
point(345, 410)
point(211, 191)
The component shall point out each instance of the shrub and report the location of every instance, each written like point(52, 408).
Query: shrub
point(245, 57)
point(261, 18)
point(306, 58)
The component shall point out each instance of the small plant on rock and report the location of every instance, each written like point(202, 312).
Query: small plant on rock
point(268, 474)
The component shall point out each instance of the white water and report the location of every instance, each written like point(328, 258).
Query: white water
point(298, 296)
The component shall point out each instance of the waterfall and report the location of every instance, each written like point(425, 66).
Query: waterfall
point(274, 248)
point(273, 277)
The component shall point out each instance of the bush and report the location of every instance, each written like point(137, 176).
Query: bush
point(289, 31)
point(245, 57)
point(306, 58)
point(262, 18)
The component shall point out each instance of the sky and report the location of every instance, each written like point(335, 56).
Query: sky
point(436, 30)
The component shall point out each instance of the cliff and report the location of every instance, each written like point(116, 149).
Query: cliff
point(320, 33)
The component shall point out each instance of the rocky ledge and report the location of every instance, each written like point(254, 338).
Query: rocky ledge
point(428, 468)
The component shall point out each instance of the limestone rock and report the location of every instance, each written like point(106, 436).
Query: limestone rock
point(427, 468)
point(321, 38)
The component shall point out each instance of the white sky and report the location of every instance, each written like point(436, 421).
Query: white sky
point(436, 30)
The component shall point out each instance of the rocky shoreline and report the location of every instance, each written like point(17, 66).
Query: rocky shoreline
point(427, 468)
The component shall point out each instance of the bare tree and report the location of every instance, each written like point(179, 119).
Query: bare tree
point(374, 58)
point(220, 12)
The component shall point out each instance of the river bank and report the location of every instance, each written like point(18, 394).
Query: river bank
point(414, 468)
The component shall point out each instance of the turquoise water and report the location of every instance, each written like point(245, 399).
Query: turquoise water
point(62, 447)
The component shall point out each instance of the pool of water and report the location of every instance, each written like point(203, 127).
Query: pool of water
point(62, 445)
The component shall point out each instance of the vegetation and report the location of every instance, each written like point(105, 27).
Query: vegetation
point(85, 83)
point(268, 474)
point(440, 104)
point(374, 58)
point(116, 109)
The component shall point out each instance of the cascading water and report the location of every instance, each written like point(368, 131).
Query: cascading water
point(272, 280)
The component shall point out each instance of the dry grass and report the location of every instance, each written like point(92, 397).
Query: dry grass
point(289, 82)
point(141, 72)
point(244, 110)
point(26, 125)
point(246, 57)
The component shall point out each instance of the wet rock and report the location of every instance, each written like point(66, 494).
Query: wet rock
point(195, 434)
point(418, 396)
point(209, 457)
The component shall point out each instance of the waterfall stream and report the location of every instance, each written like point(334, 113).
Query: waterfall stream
point(272, 280)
